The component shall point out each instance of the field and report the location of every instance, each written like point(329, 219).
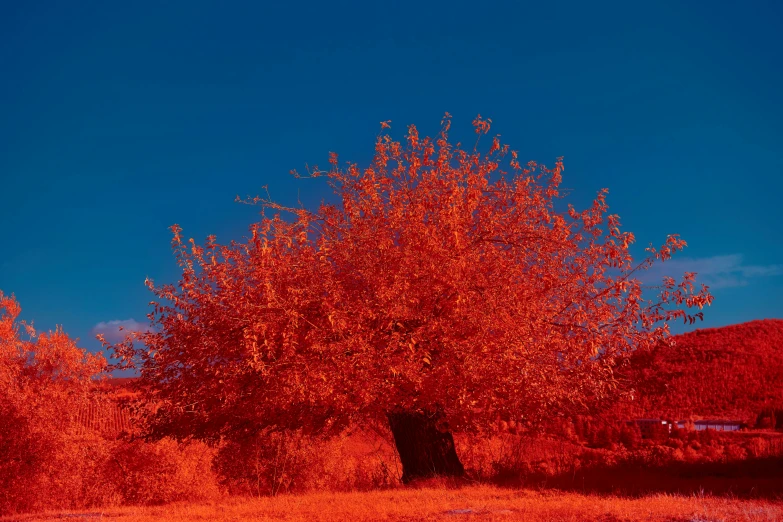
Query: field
point(483, 503)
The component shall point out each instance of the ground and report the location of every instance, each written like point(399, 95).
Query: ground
point(484, 503)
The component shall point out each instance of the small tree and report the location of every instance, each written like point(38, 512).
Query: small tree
point(630, 435)
point(43, 380)
point(444, 289)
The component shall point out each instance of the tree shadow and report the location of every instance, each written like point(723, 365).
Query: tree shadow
point(756, 478)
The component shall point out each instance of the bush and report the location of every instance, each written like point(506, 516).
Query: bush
point(43, 380)
point(511, 458)
point(161, 472)
point(289, 461)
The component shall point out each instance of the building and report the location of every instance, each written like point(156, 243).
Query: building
point(718, 425)
point(648, 427)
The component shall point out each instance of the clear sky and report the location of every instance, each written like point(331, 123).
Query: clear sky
point(119, 119)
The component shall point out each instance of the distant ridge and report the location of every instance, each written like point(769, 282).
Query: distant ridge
point(731, 372)
point(118, 382)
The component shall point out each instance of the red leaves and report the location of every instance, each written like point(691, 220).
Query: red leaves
point(481, 125)
point(494, 298)
point(44, 379)
point(744, 359)
point(43, 360)
point(413, 137)
point(495, 145)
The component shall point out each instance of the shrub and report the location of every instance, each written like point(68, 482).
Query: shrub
point(164, 471)
point(274, 462)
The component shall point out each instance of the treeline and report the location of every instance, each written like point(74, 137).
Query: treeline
point(770, 418)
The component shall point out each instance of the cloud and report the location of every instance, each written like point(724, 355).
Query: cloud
point(111, 329)
point(727, 271)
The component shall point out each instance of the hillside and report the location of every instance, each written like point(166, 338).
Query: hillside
point(730, 372)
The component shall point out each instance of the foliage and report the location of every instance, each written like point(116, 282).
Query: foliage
point(730, 372)
point(746, 464)
point(165, 471)
point(273, 462)
point(43, 379)
point(771, 418)
point(50, 459)
point(442, 280)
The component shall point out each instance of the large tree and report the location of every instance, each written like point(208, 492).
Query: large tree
point(443, 289)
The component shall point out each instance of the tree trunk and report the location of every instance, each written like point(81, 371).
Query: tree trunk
point(424, 450)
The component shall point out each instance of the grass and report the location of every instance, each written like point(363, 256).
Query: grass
point(484, 503)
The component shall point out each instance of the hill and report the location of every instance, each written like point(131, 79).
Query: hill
point(730, 372)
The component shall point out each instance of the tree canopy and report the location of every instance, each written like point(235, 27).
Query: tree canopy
point(439, 280)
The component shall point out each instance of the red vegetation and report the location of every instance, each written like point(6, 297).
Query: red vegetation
point(44, 380)
point(54, 422)
point(442, 318)
point(733, 372)
point(442, 291)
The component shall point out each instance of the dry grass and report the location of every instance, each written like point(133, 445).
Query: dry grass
point(483, 503)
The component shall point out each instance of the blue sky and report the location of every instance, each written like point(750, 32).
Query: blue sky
point(120, 119)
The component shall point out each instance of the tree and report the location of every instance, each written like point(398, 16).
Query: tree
point(43, 380)
point(443, 290)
